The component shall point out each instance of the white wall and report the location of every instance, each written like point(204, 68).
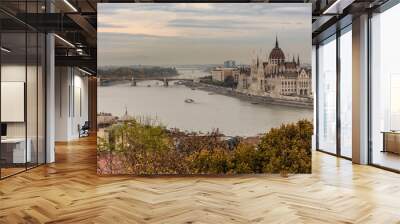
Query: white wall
point(33, 126)
point(80, 89)
point(13, 100)
point(61, 103)
point(70, 84)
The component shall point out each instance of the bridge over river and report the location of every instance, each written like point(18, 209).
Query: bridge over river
point(135, 80)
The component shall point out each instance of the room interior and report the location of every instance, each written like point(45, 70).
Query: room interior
point(23, 76)
point(22, 101)
point(356, 157)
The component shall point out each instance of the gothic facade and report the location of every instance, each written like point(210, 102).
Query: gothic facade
point(275, 76)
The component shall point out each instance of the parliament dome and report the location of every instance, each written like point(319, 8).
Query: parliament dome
point(277, 54)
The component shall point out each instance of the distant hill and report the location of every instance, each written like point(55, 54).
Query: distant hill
point(138, 72)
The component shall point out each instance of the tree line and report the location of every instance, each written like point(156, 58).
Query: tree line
point(137, 72)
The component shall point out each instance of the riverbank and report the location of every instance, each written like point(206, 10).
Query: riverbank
point(307, 104)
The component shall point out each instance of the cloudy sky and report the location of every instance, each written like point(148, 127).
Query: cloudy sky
point(188, 33)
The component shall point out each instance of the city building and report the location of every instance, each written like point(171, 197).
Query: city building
point(220, 73)
point(229, 64)
point(48, 78)
point(276, 76)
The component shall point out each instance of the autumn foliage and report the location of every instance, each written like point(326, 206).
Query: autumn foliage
point(135, 148)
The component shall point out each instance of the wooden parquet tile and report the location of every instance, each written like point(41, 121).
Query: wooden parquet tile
point(69, 191)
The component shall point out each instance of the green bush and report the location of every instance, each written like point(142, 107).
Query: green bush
point(217, 161)
point(145, 149)
point(246, 159)
point(287, 149)
point(193, 142)
point(140, 148)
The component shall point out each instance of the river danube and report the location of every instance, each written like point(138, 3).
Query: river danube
point(230, 115)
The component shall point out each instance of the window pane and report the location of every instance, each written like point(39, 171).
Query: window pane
point(346, 94)
point(314, 73)
point(41, 98)
point(385, 84)
point(327, 96)
point(14, 154)
point(22, 88)
point(31, 97)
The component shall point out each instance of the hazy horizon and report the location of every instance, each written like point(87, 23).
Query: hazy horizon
point(153, 34)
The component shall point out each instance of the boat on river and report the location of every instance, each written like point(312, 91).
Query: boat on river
point(189, 100)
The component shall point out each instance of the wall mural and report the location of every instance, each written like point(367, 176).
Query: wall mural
point(204, 88)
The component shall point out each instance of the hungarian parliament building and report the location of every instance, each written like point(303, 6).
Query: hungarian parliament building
point(275, 76)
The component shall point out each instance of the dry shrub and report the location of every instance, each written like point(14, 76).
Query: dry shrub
point(144, 149)
point(287, 149)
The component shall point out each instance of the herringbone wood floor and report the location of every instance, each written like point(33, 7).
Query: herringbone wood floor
point(69, 191)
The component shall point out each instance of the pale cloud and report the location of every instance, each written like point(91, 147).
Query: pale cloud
point(201, 6)
point(139, 22)
point(178, 29)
